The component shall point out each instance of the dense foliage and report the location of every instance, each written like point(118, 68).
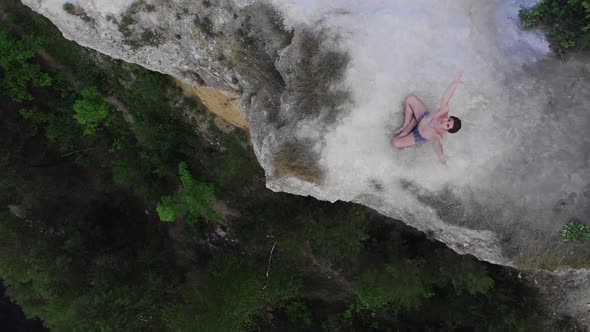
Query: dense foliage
point(576, 231)
point(17, 72)
point(91, 111)
point(195, 200)
point(95, 153)
point(567, 22)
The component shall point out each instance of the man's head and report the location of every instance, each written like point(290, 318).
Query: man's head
point(454, 124)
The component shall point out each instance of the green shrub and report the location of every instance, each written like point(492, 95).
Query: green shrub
point(463, 273)
point(168, 209)
point(128, 173)
point(72, 9)
point(236, 168)
point(527, 18)
point(69, 7)
point(36, 118)
point(576, 231)
point(150, 8)
point(17, 71)
point(339, 234)
point(405, 285)
point(298, 313)
point(91, 111)
point(126, 21)
point(196, 198)
point(568, 22)
point(335, 233)
point(338, 322)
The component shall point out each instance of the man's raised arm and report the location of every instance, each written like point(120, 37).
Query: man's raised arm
point(444, 105)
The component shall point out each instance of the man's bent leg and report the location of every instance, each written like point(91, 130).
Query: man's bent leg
point(408, 116)
point(416, 105)
point(413, 109)
point(408, 128)
point(403, 142)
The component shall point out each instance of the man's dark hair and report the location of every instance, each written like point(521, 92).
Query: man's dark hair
point(456, 125)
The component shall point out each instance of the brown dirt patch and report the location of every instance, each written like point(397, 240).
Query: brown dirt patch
point(222, 103)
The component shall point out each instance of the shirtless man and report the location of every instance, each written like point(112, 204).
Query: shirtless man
point(420, 126)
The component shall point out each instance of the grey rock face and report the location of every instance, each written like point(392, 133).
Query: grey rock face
point(322, 96)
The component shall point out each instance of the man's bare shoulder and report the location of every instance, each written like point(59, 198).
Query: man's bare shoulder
point(441, 113)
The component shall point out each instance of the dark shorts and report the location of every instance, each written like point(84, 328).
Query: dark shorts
point(419, 139)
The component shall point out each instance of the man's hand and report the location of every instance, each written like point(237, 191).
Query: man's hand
point(459, 76)
point(437, 144)
point(450, 91)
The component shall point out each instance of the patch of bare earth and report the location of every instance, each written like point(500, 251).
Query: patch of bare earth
point(222, 103)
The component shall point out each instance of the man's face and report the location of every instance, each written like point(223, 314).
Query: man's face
point(446, 123)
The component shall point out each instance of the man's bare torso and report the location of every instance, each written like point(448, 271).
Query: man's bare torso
point(428, 128)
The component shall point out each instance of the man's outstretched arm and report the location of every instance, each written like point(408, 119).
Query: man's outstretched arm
point(444, 105)
point(437, 143)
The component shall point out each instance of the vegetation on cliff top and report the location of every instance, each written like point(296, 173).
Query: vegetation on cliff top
point(567, 23)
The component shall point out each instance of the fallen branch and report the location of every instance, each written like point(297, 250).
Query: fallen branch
point(77, 151)
point(269, 260)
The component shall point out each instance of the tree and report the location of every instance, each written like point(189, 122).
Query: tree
point(91, 111)
point(17, 72)
point(195, 197)
point(404, 284)
point(232, 292)
point(168, 209)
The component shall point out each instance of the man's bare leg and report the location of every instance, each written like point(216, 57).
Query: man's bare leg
point(414, 108)
point(409, 127)
point(403, 142)
point(408, 117)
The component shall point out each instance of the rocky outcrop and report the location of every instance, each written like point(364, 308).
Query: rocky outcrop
point(322, 86)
